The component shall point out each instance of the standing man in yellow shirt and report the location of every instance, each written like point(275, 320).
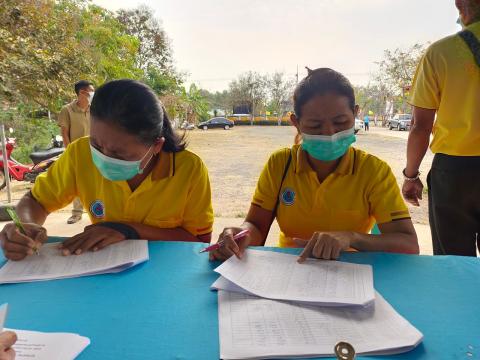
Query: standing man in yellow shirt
point(74, 120)
point(447, 85)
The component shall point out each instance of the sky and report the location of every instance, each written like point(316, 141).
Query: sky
point(214, 41)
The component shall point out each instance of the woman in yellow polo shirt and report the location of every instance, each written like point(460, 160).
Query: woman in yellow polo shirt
point(133, 175)
point(325, 194)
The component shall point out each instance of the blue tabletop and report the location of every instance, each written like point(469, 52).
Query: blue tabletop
point(163, 309)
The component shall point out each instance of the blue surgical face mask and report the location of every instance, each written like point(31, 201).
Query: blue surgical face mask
point(328, 147)
point(116, 169)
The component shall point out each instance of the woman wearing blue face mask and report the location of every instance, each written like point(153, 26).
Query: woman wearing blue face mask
point(132, 174)
point(325, 194)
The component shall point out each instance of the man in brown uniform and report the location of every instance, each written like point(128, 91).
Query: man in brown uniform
point(74, 120)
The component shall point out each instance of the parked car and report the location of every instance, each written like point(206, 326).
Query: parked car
point(400, 122)
point(217, 122)
point(187, 126)
point(359, 125)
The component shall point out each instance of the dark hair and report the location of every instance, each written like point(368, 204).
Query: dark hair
point(134, 107)
point(319, 82)
point(79, 85)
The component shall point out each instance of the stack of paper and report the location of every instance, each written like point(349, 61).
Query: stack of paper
point(45, 346)
point(253, 328)
point(279, 276)
point(51, 264)
point(272, 307)
point(48, 346)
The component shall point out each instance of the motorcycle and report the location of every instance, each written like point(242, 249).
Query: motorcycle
point(41, 161)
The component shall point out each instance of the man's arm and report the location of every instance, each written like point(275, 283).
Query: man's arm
point(65, 136)
point(418, 141)
point(64, 123)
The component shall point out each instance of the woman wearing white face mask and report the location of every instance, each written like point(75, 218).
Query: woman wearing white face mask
point(325, 194)
point(133, 175)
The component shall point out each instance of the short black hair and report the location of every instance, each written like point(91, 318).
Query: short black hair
point(79, 85)
point(319, 82)
point(134, 107)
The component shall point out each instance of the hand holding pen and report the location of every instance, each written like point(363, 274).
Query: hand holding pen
point(232, 241)
point(19, 240)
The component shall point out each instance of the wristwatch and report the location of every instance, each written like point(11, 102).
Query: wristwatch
point(406, 178)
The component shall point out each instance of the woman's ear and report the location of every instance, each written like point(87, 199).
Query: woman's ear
point(158, 146)
point(295, 122)
point(356, 110)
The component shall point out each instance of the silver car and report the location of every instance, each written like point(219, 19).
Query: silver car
point(401, 122)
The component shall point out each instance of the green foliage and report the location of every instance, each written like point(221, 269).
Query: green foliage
point(195, 104)
point(39, 51)
point(30, 130)
point(154, 50)
point(395, 74)
point(48, 45)
point(113, 50)
point(163, 83)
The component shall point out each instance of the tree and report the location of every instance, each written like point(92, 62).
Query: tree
point(249, 91)
point(112, 49)
point(40, 54)
point(54, 44)
point(154, 56)
point(154, 50)
point(280, 92)
point(196, 105)
point(396, 72)
point(163, 83)
point(218, 101)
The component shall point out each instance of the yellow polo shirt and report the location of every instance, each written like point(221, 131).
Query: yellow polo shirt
point(448, 80)
point(175, 194)
point(362, 191)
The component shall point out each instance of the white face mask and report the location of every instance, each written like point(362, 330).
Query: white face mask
point(90, 96)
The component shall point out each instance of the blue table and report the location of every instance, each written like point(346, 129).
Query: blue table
point(163, 309)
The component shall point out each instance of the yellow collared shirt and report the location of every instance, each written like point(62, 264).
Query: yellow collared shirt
point(175, 194)
point(362, 191)
point(448, 80)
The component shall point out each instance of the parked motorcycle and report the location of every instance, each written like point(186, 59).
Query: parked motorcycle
point(41, 161)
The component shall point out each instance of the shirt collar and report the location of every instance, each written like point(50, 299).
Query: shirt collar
point(77, 108)
point(474, 26)
point(165, 166)
point(345, 167)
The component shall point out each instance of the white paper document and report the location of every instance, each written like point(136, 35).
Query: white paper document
point(3, 315)
point(51, 264)
point(274, 275)
point(252, 328)
point(48, 346)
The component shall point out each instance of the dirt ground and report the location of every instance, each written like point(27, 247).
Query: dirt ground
point(235, 159)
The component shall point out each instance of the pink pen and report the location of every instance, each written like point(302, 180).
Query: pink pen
point(216, 246)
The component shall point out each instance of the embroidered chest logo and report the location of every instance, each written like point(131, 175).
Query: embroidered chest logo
point(288, 196)
point(97, 209)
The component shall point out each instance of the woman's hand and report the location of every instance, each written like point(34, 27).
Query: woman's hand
point(325, 245)
point(17, 246)
point(93, 237)
point(7, 340)
point(230, 247)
